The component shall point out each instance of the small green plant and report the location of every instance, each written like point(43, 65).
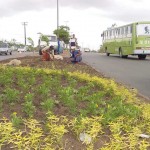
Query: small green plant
point(11, 95)
point(29, 108)
point(67, 97)
point(48, 104)
point(43, 90)
point(29, 97)
point(16, 121)
point(1, 103)
point(116, 108)
point(23, 84)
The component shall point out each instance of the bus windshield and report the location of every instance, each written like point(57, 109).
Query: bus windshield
point(143, 29)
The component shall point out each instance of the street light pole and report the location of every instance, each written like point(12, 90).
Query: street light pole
point(58, 26)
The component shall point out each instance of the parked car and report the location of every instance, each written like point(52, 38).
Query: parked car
point(22, 49)
point(5, 49)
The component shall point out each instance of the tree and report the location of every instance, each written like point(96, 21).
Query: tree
point(30, 41)
point(45, 38)
point(31, 47)
point(63, 33)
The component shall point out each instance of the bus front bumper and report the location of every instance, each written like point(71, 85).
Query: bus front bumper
point(141, 51)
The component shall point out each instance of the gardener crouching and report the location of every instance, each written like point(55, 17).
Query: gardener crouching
point(76, 56)
point(48, 53)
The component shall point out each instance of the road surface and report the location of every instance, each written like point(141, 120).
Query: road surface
point(132, 72)
point(16, 55)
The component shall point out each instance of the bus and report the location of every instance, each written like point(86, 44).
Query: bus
point(130, 39)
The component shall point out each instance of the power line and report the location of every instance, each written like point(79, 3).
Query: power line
point(24, 24)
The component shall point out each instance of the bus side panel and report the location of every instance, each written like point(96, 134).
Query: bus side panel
point(109, 47)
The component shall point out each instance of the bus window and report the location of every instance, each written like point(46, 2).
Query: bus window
point(126, 30)
point(116, 32)
point(129, 29)
point(106, 35)
point(129, 33)
point(122, 31)
point(113, 33)
point(110, 34)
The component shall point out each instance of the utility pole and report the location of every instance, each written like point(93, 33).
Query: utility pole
point(25, 24)
point(58, 26)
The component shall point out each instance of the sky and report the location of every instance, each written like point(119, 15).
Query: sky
point(86, 18)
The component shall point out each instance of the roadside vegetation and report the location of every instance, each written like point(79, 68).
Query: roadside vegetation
point(58, 105)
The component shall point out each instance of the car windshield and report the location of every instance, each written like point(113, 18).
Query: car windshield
point(3, 45)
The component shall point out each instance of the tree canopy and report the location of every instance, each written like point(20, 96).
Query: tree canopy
point(63, 33)
point(30, 41)
point(44, 38)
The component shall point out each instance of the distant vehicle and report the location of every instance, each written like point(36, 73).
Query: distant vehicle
point(22, 49)
point(14, 48)
point(52, 41)
point(131, 39)
point(4, 49)
point(86, 50)
point(94, 51)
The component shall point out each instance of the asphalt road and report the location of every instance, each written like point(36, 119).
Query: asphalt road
point(132, 72)
point(16, 55)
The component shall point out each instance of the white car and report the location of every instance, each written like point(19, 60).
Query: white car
point(4, 49)
point(22, 49)
point(86, 50)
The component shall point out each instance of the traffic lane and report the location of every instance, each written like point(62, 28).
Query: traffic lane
point(17, 55)
point(132, 72)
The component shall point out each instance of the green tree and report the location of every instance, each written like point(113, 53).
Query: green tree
point(30, 41)
point(31, 47)
point(45, 38)
point(63, 33)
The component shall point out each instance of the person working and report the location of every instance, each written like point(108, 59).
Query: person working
point(76, 56)
point(48, 53)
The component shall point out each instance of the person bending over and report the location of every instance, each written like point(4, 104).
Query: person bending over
point(48, 53)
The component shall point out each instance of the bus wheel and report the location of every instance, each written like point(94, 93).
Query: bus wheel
point(121, 55)
point(141, 56)
point(125, 56)
point(107, 54)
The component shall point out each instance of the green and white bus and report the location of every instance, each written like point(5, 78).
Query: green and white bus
point(131, 39)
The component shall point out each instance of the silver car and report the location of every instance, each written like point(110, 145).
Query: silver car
point(4, 49)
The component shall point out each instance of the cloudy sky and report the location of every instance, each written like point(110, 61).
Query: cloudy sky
point(86, 18)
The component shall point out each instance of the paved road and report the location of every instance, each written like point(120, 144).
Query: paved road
point(132, 72)
point(16, 55)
